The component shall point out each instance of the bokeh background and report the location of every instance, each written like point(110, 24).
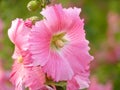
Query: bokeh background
point(102, 25)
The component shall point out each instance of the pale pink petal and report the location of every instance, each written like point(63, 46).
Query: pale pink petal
point(73, 12)
point(61, 20)
point(76, 33)
point(54, 67)
point(17, 75)
point(40, 42)
point(16, 53)
point(78, 82)
point(72, 85)
point(28, 76)
point(34, 78)
point(83, 82)
point(19, 33)
point(80, 59)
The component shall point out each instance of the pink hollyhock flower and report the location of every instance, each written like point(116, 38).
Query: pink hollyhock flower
point(23, 73)
point(97, 86)
point(58, 43)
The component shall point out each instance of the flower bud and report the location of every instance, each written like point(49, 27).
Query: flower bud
point(48, 2)
point(45, 2)
point(33, 5)
point(34, 19)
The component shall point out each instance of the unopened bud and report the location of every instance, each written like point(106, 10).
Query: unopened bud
point(45, 2)
point(33, 5)
point(48, 2)
point(34, 19)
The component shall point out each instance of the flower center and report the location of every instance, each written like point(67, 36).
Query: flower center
point(20, 59)
point(58, 41)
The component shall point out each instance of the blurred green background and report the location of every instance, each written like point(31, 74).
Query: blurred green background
point(102, 25)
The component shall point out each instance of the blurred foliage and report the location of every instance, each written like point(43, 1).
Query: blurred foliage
point(95, 14)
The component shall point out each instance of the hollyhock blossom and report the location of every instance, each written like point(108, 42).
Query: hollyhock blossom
point(97, 86)
point(113, 54)
point(23, 73)
point(58, 43)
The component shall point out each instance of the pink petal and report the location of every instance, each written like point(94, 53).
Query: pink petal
point(28, 76)
point(57, 67)
point(39, 44)
point(80, 59)
point(60, 22)
point(19, 33)
point(34, 78)
point(78, 82)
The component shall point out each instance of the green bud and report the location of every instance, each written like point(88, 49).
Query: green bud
point(45, 2)
point(34, 19)
point(33, 5)
point(48, 2)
